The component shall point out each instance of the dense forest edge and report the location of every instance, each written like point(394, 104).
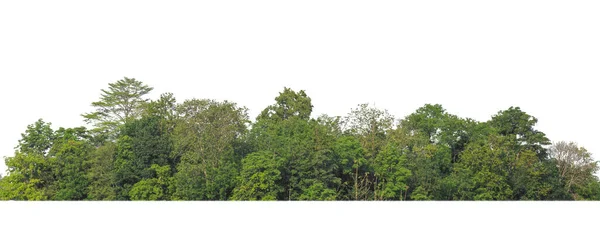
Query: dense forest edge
point(203, 149)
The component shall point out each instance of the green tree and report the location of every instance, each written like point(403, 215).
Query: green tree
point(589, 191)
point(101, 176)
point(120, 103)
point(390, 174)
point(519, 126)
point(259, 178)
point(151, 143)
point(318, 191)
point(318, 168)
point(144, 149)
point(124, 168)
point(69, 154)
point(142, 143)
point(432, 140)
point(482, 173)
point(534, 179)
point(302, 147)
point(353, 168)
point(158, 188)
point(165, 108)
point(420, 194)
point(30, 172)
point(204, 144)
point(575, 165)
point(370, 125)
point(289, 104)
point(16, 187)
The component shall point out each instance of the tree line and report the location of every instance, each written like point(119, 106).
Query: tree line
point(203, 149)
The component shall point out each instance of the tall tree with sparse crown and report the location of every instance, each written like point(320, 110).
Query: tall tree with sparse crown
point(121, 103)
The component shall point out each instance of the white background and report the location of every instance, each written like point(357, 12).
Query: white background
point(302, 215)
point(473, 57)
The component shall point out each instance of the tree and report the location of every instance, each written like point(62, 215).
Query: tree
point(151, 144)
point(302, 147)
point(100, 174)
point(534, 179)
point(121, 103)
point(258, 178)
point(30, 172)
point(520, 141)
point(589, 191)
point(124, 168)
point(204, 146)
point(432, 141)
point(16, 187)
point(289, 104)
point(318, 191)
point(481, 172)
point(433, 123)
point(69, 154)
point(420, 194)
point(317, 168)
point(427, 120)
point(158, 188)
point(283, 129)
point(575, 164)
point(519, 126)
point(165, 108)
point(429, 165)
point(142, 143)
point(204, 149)
point(353, 168)
point(370, 125)
point(390, 174)
point(37, 139)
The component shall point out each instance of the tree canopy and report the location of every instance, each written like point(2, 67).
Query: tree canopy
point(203, 149)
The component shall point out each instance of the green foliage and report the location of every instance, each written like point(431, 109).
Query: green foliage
point(352, 167)
point(290, 142)
point(121, 103)
point(124, 169)
point(258, 178)
point(370, 125)
point(575, 166)
point(70, 154)
point(318, 191)
point(288, 104)
point(100, 174)
point(420, 194)
point(164, 107)
point(147, 189)
point(159, 188)
point(33, 170)
point(482, 172)
point(588, 191)
point(203, 149)
point(434, 125)
point(150, 143)
point(37, 139)
point(302, 147)
point(391, 174)
point(142, 143)
point(519, 126)
point(17, 187)
point(30, 171)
